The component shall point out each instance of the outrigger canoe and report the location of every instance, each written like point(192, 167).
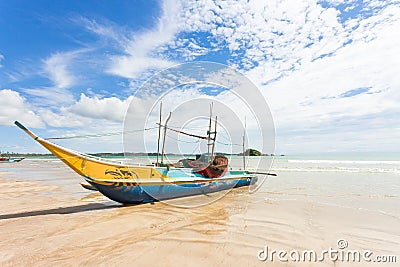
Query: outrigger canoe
point(130, 184)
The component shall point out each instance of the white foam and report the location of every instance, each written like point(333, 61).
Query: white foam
point(356, 170)
point(391, 162)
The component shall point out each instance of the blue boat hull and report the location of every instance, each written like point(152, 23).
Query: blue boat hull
point(133, 194)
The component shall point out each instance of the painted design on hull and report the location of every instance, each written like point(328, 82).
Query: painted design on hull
point(120, 173)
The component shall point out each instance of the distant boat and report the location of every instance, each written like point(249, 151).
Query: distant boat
point(146, 183)
point(9, 159)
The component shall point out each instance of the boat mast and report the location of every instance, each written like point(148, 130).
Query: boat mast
point(165, 134)
point(209, 133)
point(243, 145)
point(215, 137)
point(159, 133)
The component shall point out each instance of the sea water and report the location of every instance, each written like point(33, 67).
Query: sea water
point(354, 182)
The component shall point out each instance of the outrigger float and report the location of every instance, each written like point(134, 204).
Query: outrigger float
point(131, 184)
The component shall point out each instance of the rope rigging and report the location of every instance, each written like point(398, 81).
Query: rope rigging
point(136, 131)
point(183, 141)
point(113, 133)
point(172, 128)
point(98, 135)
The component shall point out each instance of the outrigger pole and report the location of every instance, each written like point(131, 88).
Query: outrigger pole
point(165, 134)
point(215, 137)
point(188, 134)
point(243, 145)
point(264, 173)
point(209, 133)
point(159, 133)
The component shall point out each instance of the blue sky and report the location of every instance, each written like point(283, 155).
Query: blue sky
point(327, 69)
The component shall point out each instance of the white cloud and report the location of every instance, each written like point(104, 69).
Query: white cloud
point(108, 31)
point(111, 108)
point(164, 32)
point(132, 66)
point(309, 103)
point(49, 96)
point(57, 68)
point(188, 49)
point(62, 118)
point(141, 50)
point(14, 107)
point(306, 57)
point(278, 37)
point(88, 116)
point(326, 79)
point(275, 36)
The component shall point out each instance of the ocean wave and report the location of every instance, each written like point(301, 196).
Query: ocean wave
point(339, 169)
point(389, 162)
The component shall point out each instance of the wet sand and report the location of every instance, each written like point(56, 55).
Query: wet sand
point(43, 223)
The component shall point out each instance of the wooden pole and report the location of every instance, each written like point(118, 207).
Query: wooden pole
point(185, 133)
point(165, 135)
point(159, 133)
point(243, 145)
point(244, 157)
point(209, 134)
point(265, 173)
point(215, 137)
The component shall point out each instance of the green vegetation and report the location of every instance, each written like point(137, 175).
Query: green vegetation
point(248, 152)
point(251, 152)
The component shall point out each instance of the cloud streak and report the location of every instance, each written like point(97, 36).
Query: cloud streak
point(140, 51)
point(1, 59)
point(57, 68)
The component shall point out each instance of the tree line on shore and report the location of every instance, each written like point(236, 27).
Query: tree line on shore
point(248, 152)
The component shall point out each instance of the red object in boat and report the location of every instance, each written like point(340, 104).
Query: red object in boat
point(217, 168)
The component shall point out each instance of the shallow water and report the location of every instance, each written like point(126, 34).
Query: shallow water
point(360, 184)
point(372, 185)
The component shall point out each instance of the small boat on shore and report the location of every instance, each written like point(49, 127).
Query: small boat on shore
point(10, 159)
point(138, 183)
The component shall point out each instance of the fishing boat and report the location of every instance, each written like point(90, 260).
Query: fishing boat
point(10, 159)
point(138, 183)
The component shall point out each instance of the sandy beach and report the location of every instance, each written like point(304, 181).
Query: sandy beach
point(294, 103)
point(47, 219)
